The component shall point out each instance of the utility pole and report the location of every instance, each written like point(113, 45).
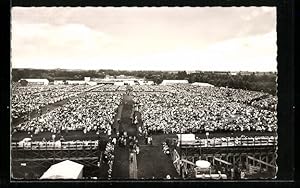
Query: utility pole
point(181, 174)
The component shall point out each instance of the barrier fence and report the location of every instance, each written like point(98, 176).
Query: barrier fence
point(69, 145)
point(233, 142)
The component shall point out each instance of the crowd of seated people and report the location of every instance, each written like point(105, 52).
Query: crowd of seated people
point(92, 111)
point(26, 99)
point(164, 109)
point(187, 108)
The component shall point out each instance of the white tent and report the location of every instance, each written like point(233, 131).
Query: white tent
point(36, 81)
point(64, 170)
point(203, 164)
point(186, 138)
point(171, 82)
point(202, 84)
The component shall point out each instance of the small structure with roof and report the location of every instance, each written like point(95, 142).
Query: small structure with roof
point(173, 82)
point(34, 81)
point(202, 84)
point(64, 170)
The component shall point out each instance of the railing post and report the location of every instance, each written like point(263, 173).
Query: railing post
point(69, 150)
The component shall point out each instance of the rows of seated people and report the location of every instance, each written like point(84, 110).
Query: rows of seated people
point(187, 108)
point(33, 97)
point(91, 111)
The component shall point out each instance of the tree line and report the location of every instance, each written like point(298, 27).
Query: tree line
point(256, 82)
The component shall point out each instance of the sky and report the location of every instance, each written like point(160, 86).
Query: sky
point(131, 38)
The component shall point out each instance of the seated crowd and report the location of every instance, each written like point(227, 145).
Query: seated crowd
point(164, 109)
point(189, 109)
point(92, 111)
point(33, 97)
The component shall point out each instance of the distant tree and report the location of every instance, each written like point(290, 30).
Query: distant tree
point(181, 75)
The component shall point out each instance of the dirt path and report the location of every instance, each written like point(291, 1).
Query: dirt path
point(132, 166)
point(120, 168)
point(153, 163)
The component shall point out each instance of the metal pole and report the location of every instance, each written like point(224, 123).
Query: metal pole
point(181, 175)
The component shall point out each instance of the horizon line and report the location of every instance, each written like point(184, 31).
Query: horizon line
point(70, 69)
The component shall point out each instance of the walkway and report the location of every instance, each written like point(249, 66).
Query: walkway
point(132, 166)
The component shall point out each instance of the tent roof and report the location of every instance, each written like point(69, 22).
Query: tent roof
point(35, 80)
point(202, 164)
point(166, 82)
point(202, 84)
point(64, 170)
point(186, 137)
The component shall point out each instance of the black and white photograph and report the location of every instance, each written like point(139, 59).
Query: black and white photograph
point(143, 93)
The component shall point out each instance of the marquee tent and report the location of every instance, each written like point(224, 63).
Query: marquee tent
point(64, 170)
point(186, 138)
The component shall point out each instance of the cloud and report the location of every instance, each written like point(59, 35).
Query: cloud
point(47, 41)
point(144, 38)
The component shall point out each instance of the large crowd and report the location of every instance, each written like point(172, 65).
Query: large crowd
point(186, 109)
point(33, 97)
point(164, 109)
point(91, 111)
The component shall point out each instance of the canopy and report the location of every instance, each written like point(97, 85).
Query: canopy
point(202, 164)
point(186, 137)
point(202, 84)
point(64, 170)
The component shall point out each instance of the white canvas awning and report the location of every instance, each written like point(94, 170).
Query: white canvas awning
point(203, 164)
point(64, 170)
point(186, 137)
point(202, 84)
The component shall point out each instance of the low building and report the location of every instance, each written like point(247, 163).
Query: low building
point(34, 81)
point(202, 84)
point(109, 77)
point(58, 82)
point(172, 82)
point(75, 82)
point(87, 79)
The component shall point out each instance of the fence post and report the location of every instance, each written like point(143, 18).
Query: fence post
point(69, 150)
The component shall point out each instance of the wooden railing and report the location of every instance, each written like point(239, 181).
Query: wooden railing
point(234, 141)
point(68, 145)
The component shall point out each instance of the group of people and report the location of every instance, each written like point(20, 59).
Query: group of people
point(165, 148)
point(91, 111)
point(164, 109)
point(26, 99)
point(109, 156)
point(186, 109)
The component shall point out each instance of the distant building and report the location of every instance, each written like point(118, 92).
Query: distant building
point(120, 77)
point(75, 82)
point(108, 77)
point(124, 77)
point(202, 84)
point(34, 81)
point(129, 82)
point(221, 72)
point(245, 73)
point(191, 72)
point(87, 79)
point(171, 82)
